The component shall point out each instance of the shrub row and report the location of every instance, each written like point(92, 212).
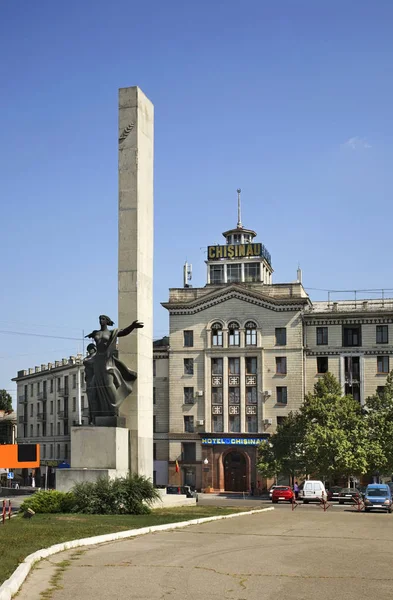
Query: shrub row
point(132, 495)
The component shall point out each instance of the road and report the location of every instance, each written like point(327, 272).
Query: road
point(306, 553)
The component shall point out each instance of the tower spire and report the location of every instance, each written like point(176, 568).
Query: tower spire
point(239, 209)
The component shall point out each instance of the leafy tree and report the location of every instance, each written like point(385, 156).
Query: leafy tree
point(379, 417)
point(5, 401)
point(327, 436)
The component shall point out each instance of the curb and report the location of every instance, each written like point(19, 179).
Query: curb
point(11, 586)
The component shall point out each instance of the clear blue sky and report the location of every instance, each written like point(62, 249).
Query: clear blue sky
point(290, 100)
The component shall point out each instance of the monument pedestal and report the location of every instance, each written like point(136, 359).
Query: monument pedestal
point(95, 452)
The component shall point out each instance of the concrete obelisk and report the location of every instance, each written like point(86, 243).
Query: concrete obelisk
point(136, 138)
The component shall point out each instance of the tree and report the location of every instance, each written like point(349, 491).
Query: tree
point(326, 437)
point(5, 401)
point(379, 417)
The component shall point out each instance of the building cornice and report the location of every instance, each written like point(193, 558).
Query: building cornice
point(350, 352)
point(345, 320)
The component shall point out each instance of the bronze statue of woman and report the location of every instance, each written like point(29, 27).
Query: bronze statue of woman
point(112, 380)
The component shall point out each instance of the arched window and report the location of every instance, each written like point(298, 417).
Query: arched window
point(251, 333)
point(216, 334)
point(234, 334)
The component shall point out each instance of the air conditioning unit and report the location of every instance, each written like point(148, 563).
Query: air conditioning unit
point(199, 393)
point(200, 422)
point(268, 421)
point(267, 393)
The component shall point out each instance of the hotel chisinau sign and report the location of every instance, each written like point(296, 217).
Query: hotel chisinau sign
point(238, 251)
point(233, 441)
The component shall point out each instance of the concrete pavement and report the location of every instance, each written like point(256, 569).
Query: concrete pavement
point(281, 554)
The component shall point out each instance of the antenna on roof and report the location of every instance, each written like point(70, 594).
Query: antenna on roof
point(239, 209)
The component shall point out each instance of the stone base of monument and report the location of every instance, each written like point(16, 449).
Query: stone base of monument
point(95, 452)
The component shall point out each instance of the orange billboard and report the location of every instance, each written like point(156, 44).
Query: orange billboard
point(19, 456)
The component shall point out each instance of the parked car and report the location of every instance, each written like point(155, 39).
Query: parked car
point(349, 495)
point(271, 490)
point(282, 492)
point(378, 495)
point(312, 490)
point(182, 489)
point(333, 493)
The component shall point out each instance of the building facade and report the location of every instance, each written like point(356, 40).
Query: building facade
point(51, 399)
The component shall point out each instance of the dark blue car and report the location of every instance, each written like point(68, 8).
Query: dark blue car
point(378, 496)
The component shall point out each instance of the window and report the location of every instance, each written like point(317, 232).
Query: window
point(251, 424)
point(66, 384)
point(352, 335)
point(154, 424)
point(234, 273)
point(188, 366)
point(51, 386)
point(189, 451)
point(25, 392)
point(51, 451)
point(216, 366)
point(217, 423)
point(31, 430)
point(281, 365)
point(58, 428)
point(32, 389)
point(154, 451)
point(82, 402)
point(154, 395)
point(44, 451)
point(216, 334)
point(51, 428)
point(74, 404)
point(38, 387)
point(51, 407)
point(31, 410)
point(322, 336)
point(251, 365)
point(38, 430)
point(66, 432)
point(58, 451)
point(252, 272)
point(281, 336)
point(58, 405)
point(188, 338)
point(234, 366)
point(66, 451)
point(234, 419)
point(189, 423)
point(154, 368)
point(280, 421)
point(234, 334)
point(216, 274)
point(251, 395)
point(251, 333)
point(281, 395)
point(74, 381)
point(234, 395)
point(188, 395)
point(382, 334)
point(58, 384)
point(44, 429)
point(382, 364)
point(322, 364)
point(380, 390)
point(217, 395)
point(44, 390)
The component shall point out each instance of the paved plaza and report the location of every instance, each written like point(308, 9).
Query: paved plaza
point(277, 554)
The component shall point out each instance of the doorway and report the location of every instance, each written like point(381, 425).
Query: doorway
point(235, 472)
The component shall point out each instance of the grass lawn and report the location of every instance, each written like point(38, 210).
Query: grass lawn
point(20, 537)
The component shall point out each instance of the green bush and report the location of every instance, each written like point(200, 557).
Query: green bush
point(50, 501)
point(129, 495)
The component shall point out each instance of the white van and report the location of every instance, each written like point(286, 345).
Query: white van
point(312, 490)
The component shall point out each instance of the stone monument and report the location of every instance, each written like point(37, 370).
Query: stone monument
point(120, 389)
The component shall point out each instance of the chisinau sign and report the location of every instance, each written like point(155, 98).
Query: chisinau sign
point(238, 251)
point(233, 441)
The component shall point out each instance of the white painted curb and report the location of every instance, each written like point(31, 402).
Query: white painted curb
point(12, 585)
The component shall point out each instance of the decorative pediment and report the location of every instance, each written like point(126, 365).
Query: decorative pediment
point(238, 293)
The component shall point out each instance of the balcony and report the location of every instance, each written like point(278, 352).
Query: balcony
point(63, 391)
point(41, 416)
point(62, 414)
point(42, 396)
point(23, 399)
point(22, 419)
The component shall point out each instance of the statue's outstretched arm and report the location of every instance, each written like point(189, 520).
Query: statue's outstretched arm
point(91, 335)
point(130, 328)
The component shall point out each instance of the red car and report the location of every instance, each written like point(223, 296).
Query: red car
point(282, 492)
